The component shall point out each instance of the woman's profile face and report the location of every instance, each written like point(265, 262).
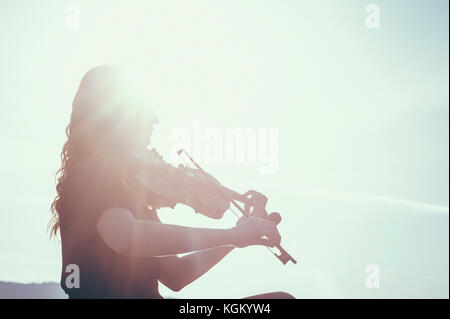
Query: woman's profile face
point(148, 123)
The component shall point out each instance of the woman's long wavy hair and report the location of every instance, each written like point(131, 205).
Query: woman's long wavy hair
point(103, 126)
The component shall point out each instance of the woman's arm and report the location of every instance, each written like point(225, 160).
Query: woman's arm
point(178, 272)
point(143, 238)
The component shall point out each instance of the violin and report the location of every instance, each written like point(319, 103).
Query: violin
point(166, 186)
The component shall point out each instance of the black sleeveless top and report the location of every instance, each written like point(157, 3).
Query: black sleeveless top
point(103, 272)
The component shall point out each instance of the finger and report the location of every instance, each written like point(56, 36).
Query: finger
point(273, 234)
point(277, 237)
point(250, 192)
point(247, 209)
point(265, 242)
point(275, 217)
point(264, 221)
point(268, 229)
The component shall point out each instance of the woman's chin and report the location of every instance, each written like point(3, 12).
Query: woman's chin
point(146, 142)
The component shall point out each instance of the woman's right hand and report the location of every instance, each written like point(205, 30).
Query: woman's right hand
point(255, 231)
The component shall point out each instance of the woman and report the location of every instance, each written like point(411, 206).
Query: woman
point(121, 248)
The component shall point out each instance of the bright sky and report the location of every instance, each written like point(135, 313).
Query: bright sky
point(362, 116)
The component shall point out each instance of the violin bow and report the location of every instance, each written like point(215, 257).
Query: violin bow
point(284, 256)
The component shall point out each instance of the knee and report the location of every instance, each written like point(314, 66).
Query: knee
point(283, 295)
